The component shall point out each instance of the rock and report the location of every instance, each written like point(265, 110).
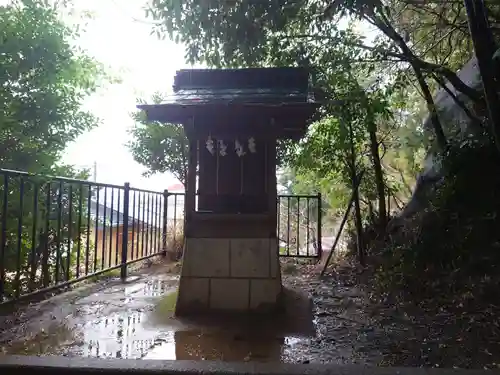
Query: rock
point(455, 123)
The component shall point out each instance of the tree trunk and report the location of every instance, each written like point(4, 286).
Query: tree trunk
point(357, 209)
point(379, 175)
point(484, 46)
point(431, 107)
point(357, 218)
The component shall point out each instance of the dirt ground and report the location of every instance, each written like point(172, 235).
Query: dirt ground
point(329, 320)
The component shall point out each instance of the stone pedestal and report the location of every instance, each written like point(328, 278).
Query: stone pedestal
point(229, 274)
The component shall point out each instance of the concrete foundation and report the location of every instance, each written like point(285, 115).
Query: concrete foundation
point(229, 274)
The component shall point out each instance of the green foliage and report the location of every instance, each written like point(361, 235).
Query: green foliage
point(159, 147)
point(371, 90)
point(45, 80)
point(344, 75)
point(46, 219)
point(438, 31)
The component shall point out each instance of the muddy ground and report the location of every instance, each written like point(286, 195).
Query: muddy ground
point(332, 320)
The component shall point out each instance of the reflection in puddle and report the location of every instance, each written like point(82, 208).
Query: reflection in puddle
point(192, 345)
point(131, 337)
point(133, 321)
point(117, 337)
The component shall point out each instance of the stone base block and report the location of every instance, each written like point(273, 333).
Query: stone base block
point(229, 274)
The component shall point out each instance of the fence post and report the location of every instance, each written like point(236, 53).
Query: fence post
point(3, 235)
point(165, 219)
point(126, 200)
point(320, 209)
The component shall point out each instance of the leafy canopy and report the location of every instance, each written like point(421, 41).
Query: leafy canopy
point(44, 79)
point(44, 82)
point(159, 147)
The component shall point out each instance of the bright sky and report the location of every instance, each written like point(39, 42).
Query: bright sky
point(145, 65)
point(119, 37)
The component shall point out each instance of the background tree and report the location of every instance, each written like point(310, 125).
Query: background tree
point(285, 34)
point(380, 87)
point(159, 147)
point(376, 64)
point(45, 80)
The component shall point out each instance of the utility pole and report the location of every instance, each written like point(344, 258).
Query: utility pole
point(95, 171)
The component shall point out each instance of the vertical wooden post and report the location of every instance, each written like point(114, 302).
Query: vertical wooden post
point(272, 183)
point(191, 185)
point(190, 195)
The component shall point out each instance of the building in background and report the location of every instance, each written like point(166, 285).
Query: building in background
point(175, 207)
point(145, 225)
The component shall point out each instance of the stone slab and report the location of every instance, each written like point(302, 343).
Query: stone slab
point(54, 365)
point(206, 257)
point(193, 294)
point(229, 294)
point(274, 258)
point(264, 292)
point(250, 257)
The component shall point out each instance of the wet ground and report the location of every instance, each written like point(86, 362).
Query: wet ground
point(330, 320)
point(111, 319)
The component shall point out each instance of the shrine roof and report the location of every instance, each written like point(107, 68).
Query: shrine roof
point(196, 97)
point(264, 87)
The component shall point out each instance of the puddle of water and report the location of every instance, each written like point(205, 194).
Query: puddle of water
point(198, 346)
point(134, 338)
point(136, 321)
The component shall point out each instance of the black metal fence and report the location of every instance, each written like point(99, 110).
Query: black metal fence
point(56, 231)
point(299, 226)
point(174, 214)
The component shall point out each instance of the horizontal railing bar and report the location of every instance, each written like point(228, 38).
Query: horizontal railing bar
point(145, 258)
point(297, 196)
point(57, 286)
point(92, 183)
point(73, 281)
point(146, 191)
point(10, 172)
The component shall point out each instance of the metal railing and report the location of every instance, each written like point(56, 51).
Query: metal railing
point(56, 231)
point(299, 226)
point(298, 223)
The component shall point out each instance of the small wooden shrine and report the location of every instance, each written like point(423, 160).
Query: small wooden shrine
point(233, 119)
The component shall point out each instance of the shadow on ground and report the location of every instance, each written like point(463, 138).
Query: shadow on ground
point(135, 319)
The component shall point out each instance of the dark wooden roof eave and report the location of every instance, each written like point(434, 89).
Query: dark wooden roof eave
point(180, 113)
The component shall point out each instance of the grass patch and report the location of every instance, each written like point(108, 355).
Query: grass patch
point(167, 304)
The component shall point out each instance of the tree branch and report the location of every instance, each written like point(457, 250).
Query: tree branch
point(475, 120)
point(411, 58)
